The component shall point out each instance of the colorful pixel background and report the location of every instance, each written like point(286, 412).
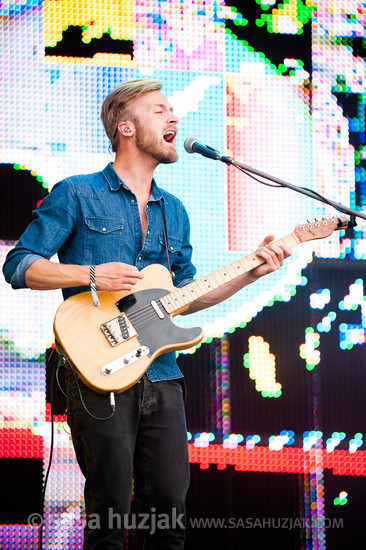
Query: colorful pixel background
point(280, 119)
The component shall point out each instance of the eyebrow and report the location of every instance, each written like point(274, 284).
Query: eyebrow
point(163, 106)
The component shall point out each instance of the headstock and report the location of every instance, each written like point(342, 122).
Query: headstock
point(319, 229)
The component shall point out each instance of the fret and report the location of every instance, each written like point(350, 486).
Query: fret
point(226, 273)
point(170, 302)
point(290, 241)
point(181, 297)
point(177, 298)
point(219, 278)
point(238, 268)
point(230, 272)
point(194, 289)
point(203, 286)
point(253, 261)
point(184, 295)
point(210, 282)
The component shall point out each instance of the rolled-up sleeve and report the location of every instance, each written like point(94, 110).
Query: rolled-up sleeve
point(17, 279)
point(183, 268)
point(52, 224)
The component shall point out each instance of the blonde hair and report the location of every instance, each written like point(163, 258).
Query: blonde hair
point(118, 105)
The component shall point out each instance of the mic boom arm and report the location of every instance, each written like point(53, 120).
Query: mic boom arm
point(192, 145)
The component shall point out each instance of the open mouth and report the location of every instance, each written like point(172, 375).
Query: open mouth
point(169, 136)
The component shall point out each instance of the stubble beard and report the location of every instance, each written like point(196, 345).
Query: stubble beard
point(147, 142)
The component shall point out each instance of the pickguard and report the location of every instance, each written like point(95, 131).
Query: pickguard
point(152, 330)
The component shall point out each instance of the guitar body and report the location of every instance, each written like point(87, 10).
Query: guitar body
point(111, 346)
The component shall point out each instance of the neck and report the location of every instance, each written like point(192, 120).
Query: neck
point(135, 172)
point(180, 299)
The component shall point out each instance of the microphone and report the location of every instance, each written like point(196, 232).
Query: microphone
point(192, 145)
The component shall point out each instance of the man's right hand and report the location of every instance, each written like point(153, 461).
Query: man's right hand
point(115, 276)
point(112, 276)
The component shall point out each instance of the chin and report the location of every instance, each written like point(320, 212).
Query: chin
point(169, 159)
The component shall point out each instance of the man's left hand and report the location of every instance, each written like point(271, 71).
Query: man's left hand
point(273, 254)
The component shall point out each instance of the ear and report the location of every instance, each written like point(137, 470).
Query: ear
point(126, 128)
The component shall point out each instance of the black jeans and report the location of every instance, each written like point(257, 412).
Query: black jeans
point(145, 440)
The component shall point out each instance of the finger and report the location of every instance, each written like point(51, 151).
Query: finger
point(287, 251)
point(132, 271)
point(125, 286)
point(270, 251)
point(129, 280)
point(273, 257)
point(267, 240)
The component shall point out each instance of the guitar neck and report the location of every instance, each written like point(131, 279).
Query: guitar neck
point(179, 300)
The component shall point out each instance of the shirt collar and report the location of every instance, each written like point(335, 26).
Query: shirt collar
point(115, 183)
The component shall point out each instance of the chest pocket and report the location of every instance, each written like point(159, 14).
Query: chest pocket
point(103, 240)
point(174, 247)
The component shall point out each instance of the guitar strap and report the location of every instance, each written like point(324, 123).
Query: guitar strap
point(181, 381)
point(165, 239)
point(92, 267)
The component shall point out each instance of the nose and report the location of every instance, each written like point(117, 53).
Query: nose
point(173, 118)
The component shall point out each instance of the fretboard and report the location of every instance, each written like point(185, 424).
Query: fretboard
point(181, 298)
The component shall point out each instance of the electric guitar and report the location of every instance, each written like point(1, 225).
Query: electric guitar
point(112, 345)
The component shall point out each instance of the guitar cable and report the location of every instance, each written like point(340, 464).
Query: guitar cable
point(113, 407)
point(112, 400)
point(43, 492)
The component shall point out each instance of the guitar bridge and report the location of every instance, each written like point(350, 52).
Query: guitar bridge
point(118, 330)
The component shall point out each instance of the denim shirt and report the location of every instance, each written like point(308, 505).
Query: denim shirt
point(94, 219)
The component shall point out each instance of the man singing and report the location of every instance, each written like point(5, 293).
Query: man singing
point(108, 226)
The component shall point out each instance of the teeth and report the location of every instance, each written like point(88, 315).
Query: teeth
point(169, 135)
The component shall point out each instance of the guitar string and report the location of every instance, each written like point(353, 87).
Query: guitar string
point(147, 312)
point(144, 315)
point(144, 319)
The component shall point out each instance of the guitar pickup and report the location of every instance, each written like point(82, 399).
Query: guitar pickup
point(118, 330)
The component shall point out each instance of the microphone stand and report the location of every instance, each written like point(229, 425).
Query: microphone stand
point(313, 194)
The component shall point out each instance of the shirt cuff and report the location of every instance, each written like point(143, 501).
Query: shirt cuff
point(184, 282)
point(18, 278)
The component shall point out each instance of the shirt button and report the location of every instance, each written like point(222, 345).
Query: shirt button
point(171, 248)
point(148, 232)
point(140, 258)
point(104, 229)
point(132, 200)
